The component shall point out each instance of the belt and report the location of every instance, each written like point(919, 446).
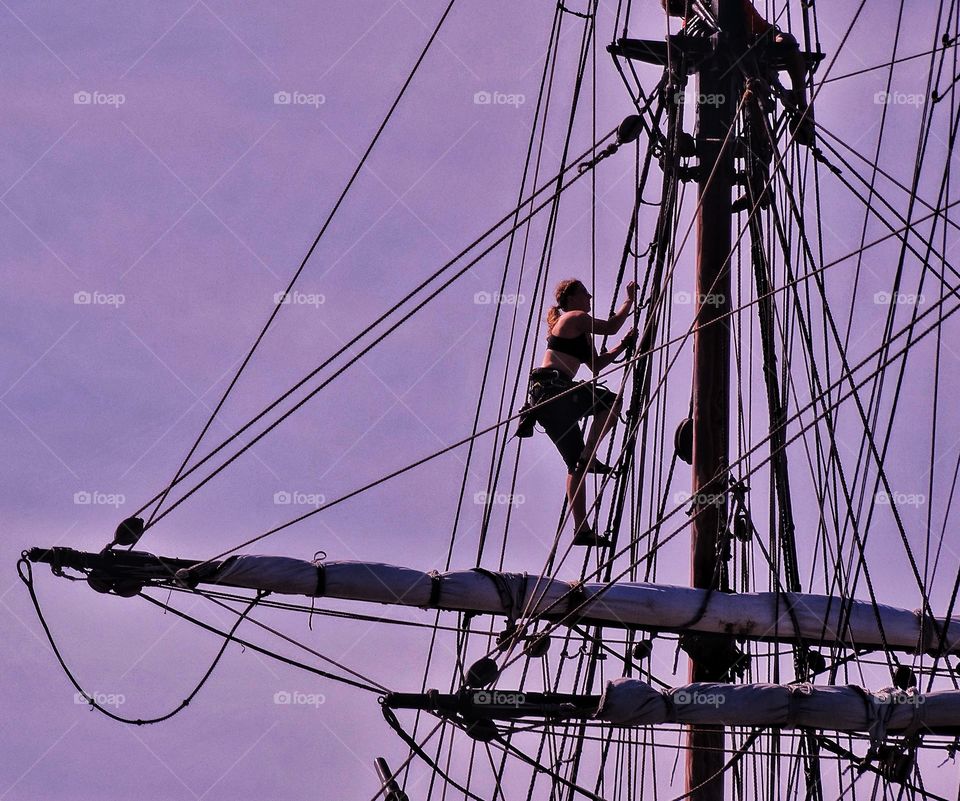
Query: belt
point(549, 374)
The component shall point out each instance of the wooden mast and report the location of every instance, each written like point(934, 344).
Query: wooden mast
point(716, 108)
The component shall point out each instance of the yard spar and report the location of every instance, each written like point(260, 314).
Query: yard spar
point(784, 626)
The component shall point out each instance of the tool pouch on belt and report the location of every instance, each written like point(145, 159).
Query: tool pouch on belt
point(543, 384)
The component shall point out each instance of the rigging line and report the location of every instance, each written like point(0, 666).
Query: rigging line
point(588, 38)
point(816, 385)
point(738, 755)
point(354, 358)
point(850, 517)
point(873, 176)
point(842, 753)
point(260, 649)
point(788, 381)
point(385, 785)
point(944, 188)
point(953, 483)
point(543, 103)
point(394, 724)
point(547, 250)
point(889, 432)
point(286, 638)
point(546, 254)
point(541, 112)
point(306, 258)
point(868, 439)
point(565, 596)
point(873, 165)
point(600, 376)
point(346, 346)
point(660, 300)
point(909, 227)
point(917, 254)
point(268, 603)
point(934, 51)
point(25, 571)
point(541, 769)
point(507, 420)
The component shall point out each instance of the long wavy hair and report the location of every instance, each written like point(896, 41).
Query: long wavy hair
point(563, 291)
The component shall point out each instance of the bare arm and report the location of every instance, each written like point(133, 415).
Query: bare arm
point(581, 322)
point(603, 360)
point(615, 323)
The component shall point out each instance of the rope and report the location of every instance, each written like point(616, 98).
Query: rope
point(303, 264)
point(25, 571)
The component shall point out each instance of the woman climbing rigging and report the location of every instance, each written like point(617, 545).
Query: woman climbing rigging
point(570, 330)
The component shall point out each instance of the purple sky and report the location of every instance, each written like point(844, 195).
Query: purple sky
point(181, 199)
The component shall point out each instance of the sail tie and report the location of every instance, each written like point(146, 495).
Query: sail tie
point(436, 581)
point(796, 693)
point(511, 607)
point(576, 598)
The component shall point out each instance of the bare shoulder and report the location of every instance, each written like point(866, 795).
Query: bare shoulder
point(571, 324)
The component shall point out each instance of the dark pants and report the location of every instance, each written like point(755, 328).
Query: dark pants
point(566, 403)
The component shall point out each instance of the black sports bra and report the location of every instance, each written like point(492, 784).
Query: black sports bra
point(578, 347)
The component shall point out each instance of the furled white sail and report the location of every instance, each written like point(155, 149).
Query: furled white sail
point(630, 702)
point(765, 615)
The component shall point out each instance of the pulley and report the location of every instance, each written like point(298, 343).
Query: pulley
point(686, 145)
point(642, 650)
point(128, 532)
point(99, 583)
point(537, 646)
point(742, 527)
point(630, 129)
point(482, 672)
point(482, 730)
point(505, 637)
point(104, 583)
point(683, 441)
point(127, 588)
point(895, 763)
point(815, 662)
point(904, 678)
point(688, 174)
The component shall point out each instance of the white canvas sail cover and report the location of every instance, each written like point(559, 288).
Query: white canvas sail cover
point(630, 702)
point(764, 615)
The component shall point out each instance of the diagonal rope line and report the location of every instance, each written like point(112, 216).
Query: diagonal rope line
point(323, 229)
